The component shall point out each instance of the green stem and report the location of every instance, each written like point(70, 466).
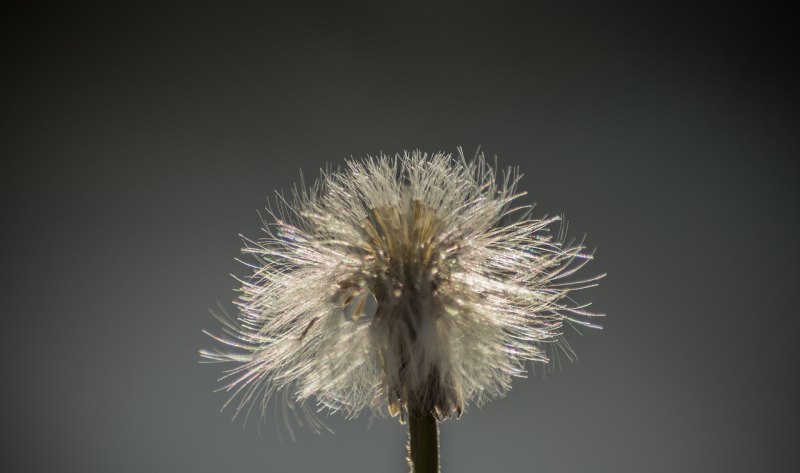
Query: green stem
point(423, 444)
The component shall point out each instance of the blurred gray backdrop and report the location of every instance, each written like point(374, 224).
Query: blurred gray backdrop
point(138, 142)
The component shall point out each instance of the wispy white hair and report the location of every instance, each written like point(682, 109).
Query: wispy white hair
point(400, 284)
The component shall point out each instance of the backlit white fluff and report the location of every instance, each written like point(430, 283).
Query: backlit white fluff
point(400, 284)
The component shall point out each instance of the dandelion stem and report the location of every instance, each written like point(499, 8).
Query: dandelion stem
point(423, 443)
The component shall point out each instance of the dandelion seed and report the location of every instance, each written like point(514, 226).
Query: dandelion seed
point(406, 285)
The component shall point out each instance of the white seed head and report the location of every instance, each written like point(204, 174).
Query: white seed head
point(400, 284)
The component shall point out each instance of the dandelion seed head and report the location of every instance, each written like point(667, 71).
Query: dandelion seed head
point(404, 284)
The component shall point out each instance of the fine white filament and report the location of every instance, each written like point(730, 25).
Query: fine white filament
point(399, 284)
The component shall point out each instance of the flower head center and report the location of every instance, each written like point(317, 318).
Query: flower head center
point(408, 258)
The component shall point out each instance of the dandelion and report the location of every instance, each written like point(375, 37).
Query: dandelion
point(407, 285)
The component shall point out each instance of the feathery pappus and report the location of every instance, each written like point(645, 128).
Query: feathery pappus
point(407, 284)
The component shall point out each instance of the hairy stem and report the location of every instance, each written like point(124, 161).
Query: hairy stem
point(423, 444)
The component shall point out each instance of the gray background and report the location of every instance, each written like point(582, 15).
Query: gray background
point(138, 142)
